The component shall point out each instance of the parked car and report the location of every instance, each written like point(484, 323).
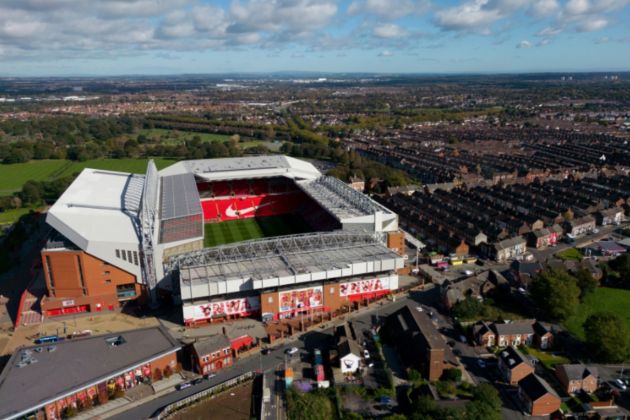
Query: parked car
point(292, 350)
point(209, 375)
point(265, 351)
point(197, 381)
point(366, 354)
point(183, 385)
point(463, 339)
point(481, 363)
point(620, 384)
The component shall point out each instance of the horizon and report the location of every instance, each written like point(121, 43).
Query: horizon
point(66, 38)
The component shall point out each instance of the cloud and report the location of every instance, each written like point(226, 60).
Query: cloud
point(524, 44)
point(602, 40)
point(549, 31)
point(591, 25)
point(544, 8)
point(389, 9)
point(385, 53)
point(389, 30)
point(477, 15)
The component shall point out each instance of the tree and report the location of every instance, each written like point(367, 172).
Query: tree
point(607, 337)
point(31, 193)
point(487, 394)
point(467, 309)
point(453, 375)
point(585, 282)
point(476, 410)
point(556, 293)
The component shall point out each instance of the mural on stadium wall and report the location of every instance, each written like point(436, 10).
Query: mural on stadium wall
point(241, 307)
point(363, 286)
point(311, 297)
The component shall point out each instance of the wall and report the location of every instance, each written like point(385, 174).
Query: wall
point(78, 275)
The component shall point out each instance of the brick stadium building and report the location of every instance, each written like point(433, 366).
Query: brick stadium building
point(122, 237)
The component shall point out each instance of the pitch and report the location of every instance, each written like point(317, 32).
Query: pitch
point(253, 228)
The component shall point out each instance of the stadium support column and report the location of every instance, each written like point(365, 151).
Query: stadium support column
point(148, 215)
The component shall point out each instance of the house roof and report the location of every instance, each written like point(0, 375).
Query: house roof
point(513, 328)
point(540, 233)
point(74, 365)
point(535, 387)
point(540, 329)
point(510, 243)
point(610, 246)
point(611, 211)
point(582, 221)
point(577, 371)
point(211, 344)
point(511, 357)
point(348, 346)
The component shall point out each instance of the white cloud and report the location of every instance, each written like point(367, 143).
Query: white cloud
point(549, 31)
point(591, 25)
point(470, 16)
point(385, 53)
point(544, 8)
point(602, 40)
point(389, 30)
point(389, 9)
point(524, 44)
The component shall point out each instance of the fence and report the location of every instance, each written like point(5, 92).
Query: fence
point(166, 411)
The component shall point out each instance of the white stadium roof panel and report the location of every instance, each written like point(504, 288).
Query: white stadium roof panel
point(244, 167)
point(99, 206)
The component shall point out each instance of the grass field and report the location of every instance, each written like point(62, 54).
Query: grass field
point(570, 254)
point(607, 299)
point(176, 136)
point(253, 228)
point(13, 176)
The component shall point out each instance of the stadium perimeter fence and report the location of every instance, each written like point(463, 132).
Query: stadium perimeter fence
point(166, 411)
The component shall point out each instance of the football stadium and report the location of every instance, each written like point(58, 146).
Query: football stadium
point(261, 236)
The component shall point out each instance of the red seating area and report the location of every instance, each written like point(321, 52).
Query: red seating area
point(242, 207)
point(244, 187)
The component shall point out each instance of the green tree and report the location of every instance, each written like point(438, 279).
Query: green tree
point(585, 282)
point(556, 293)
point(31, 193)
point(477, 410)
point(453, 375)
point(466, 309)
point(487, 394)
point(607, 337)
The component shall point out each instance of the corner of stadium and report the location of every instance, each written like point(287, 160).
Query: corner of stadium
point(268, 237)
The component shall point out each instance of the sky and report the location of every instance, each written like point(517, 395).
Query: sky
point(152, 37)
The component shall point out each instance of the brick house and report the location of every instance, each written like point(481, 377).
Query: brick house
point(212, 354)
point(543, 337)
point(506, 249)
point(514, 333)
point(540, 238)
point(513, 365)
point(577, 377)
point(580, 226)
point(537, 396)
point(611, 216)
point(484, 335)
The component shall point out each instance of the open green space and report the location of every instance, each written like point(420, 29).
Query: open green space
point(549, 360)
point(252, 228)
point(570, 254)
point(176, 136)
point(11, 216)
point(607, 299)
point(13, 176)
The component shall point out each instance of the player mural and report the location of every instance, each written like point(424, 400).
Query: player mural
point(361, 287)
point(240, 307)
point(292, 300)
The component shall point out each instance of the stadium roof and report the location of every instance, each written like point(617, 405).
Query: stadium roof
point(74, 365)
point(286, 256)
point(179, 197)
point(99, 206)
point(244, 167)
point(340, 199)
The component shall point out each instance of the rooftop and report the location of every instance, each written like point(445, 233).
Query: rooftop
point(511, 357)
point(179, 197)
point(74, 365)
point(211, 344)
point(340, 199)
point(111, 198)
point(577, 371)
point(535, 387)
point(244, 167)
point(281, 256)
point(516, 327)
